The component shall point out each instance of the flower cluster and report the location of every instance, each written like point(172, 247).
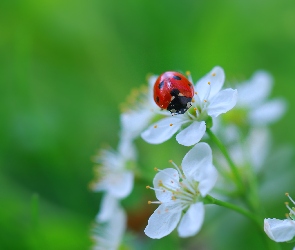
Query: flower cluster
point(238, 141)
point(281, 230)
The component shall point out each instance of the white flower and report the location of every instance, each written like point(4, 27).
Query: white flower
point(182, 190)
point(108, 231)
point(250, 151)
point(208, 101)
point(139, 111)
point(114, 175)
point(281, 230)
point(253, 95)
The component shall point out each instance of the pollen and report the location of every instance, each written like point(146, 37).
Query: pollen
point(149, 202)
point(195, 109)
point(209, 83)
point(156, 169)
point(188, 73)
point(205, 100)
point(193, 100)
point(196, 92)
point(213, 74)
point(171, 124)
point(286, 203)
point(148, 187)
point(155, 126)
point(287, 194)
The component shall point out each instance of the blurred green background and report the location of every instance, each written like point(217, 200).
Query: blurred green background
point(65, 66)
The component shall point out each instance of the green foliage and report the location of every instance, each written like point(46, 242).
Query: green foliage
point(65, 67)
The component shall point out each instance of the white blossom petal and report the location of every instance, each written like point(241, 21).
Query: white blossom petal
point(107, 207)
point(224, 101)
point(168, 177)
point(258, 145)
point(207, 178)
point(192, 221)
point(256, 90)
point(109, 234)
point(192, 134)
point(162, 130)
point(134, 122)
point(279, 230)
point(163, 221)
point(268, 112)
point(216, 79)
point(199, 157)
point(120, 185)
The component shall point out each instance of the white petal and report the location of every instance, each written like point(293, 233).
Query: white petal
point(134, 122)
point(200, 156)
point(192, 221)
point(256, 90)
point(126, 148)
point(268, 112)
point(207, 178)
point(279, 230)
point(109, 235)
point(107, 207)
point(224, 101)
point(258, 144)
point(167, 177)
point(192, 134)
point(162, 222)
point(216, 79)
point(162, 130)
point(120, 185)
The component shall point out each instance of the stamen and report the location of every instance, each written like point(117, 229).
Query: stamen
point(156, 169)
point(209, 83)
point(213, 74)
point(287, 194)
point(155, 126)
point(171, 124)
point(154, 202)
point(177, 168)
point(156, 189)
point(290, 209)
point(188, 74)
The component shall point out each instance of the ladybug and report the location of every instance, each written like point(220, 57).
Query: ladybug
point(174, 92)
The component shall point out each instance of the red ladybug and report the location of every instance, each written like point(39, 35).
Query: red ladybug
point(174, 92)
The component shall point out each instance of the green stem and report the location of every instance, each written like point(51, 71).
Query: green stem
point(270, 244)
point(211, 200)
point(234, 169)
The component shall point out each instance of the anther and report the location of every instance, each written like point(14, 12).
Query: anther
point(195, 109)
point(148, 187)
point(196, 92)
point(149, 202)
point(155, 126)
point(171, 124)
point(209, 83)
point(213, 74)
point(205, 100)
point(156, 169)
point(193, 100)
point(187, 73)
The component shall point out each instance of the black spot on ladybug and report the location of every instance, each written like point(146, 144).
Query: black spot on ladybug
point(161, 84)
point(179, 104)
point(157, 99)
point(174, 92)
point(176, 77)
